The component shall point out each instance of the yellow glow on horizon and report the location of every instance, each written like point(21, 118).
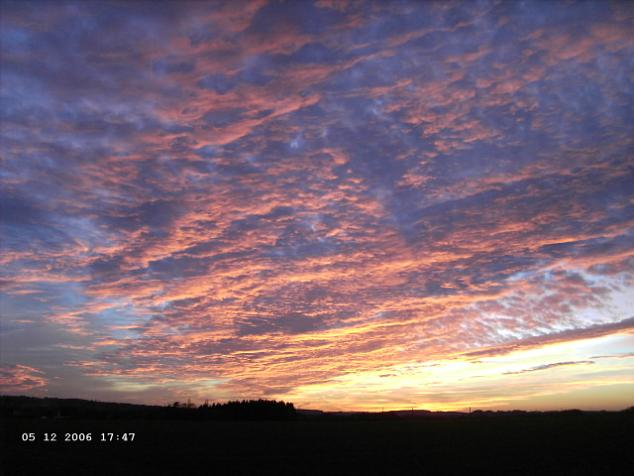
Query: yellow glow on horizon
point(557, 376)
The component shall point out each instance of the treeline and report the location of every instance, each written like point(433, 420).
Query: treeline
point(55, 408)
point(248, 410)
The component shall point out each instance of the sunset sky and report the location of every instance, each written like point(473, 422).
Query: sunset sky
point(348, 205)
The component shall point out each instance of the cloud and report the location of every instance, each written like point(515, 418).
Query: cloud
point(16, 379)
point(550, 366)
point(273, 196)
point(614, 356)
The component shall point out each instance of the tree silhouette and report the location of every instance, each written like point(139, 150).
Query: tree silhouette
point(248, 410)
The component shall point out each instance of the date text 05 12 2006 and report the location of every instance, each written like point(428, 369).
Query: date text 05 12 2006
point(77, 437)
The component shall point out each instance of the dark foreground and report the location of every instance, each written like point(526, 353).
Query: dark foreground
point(554, 444)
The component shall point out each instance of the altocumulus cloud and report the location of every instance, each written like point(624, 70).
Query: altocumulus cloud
point(251, 198)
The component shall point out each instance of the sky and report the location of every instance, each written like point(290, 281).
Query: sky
point(347, 205)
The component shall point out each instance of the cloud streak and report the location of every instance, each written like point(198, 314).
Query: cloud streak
point(550, 366)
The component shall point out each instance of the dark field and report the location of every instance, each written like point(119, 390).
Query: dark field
point(530, 444)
